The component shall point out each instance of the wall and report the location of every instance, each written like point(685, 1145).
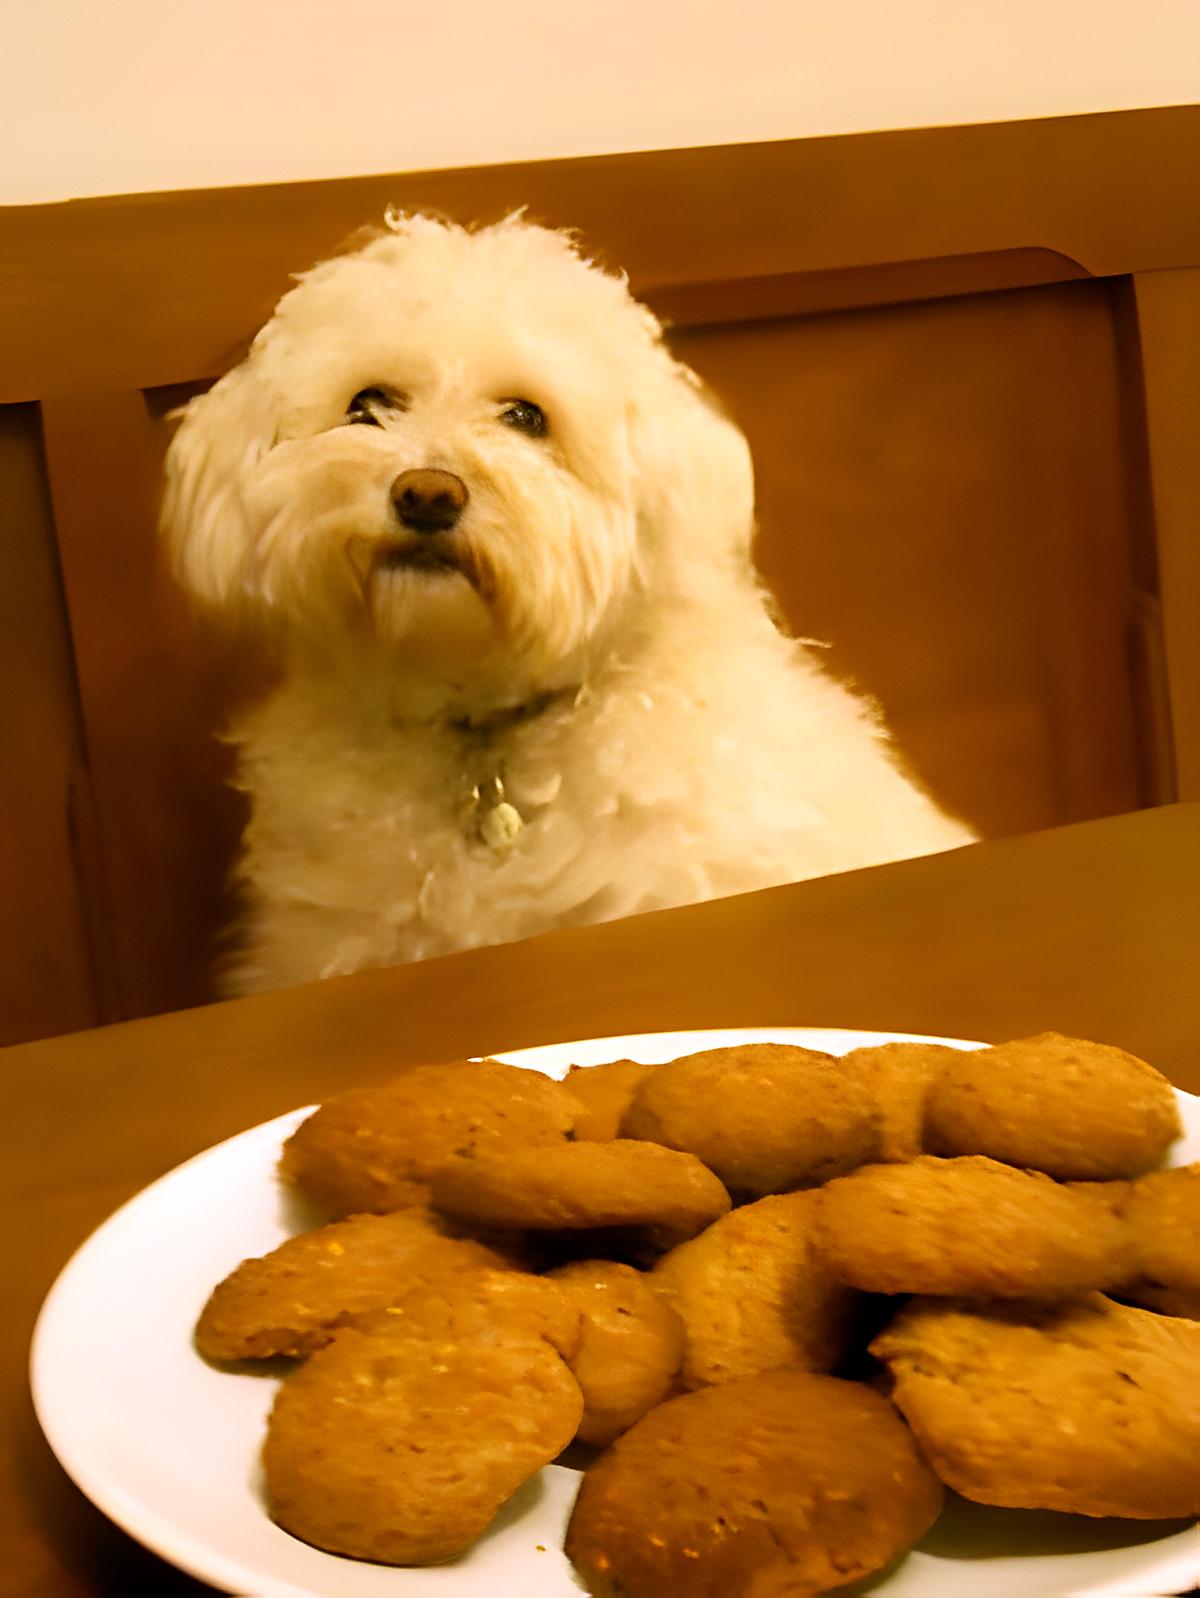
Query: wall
point(114, 96)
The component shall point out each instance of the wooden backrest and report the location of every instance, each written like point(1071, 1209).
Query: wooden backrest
point(963, 357)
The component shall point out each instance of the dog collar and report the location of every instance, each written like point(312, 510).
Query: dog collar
point(491, 726)
point(488, 815)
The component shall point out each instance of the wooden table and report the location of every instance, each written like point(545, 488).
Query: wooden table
point(1092, 930)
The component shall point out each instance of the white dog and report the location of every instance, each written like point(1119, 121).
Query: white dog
point(529, 677)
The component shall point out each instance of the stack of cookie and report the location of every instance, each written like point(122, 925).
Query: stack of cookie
point(788, 1295)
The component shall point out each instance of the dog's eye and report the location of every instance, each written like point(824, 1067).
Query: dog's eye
point(367, 404)
point(525, 417)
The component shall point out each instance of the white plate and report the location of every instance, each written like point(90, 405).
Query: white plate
point(168, 1447)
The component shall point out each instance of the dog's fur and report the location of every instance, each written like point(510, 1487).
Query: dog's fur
point(591, 633)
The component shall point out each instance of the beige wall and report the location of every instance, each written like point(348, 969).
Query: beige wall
point(110, 96)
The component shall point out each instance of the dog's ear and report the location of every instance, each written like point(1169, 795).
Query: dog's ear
point(221, 435)
point(695, 477)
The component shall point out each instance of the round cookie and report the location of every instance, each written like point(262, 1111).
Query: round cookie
point(1164, 1211)
point(484, 1304)
point(777, 1486)
point(401, 1438)
point(899, 1076)
point(605, 1091)
point(1088, 1407)
point(754, 1294)
point(290, 1300)
point(578, 1186)
point(377, 1149)
point(1073, 1109)
point(969, 1226)
point(630, 1348)
point(766, 1117)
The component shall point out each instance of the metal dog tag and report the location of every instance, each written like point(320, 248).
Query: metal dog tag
point(497, 823)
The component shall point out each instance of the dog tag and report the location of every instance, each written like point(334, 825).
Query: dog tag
point(499, 825)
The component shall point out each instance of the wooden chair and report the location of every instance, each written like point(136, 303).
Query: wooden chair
point(965, 358)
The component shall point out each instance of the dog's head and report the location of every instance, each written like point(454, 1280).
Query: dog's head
point(468, 448)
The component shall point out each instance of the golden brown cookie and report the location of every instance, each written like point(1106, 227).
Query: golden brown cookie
point(630, 1348)
point(777, 1486)
point(754, 1294)
point(1085, 1406)
point(290, 1300)
point(1164, 1211)
point(377, 1149)
point(969, 1226)
point(1073, 1109)
point(765, 1117)
point(899, 1077)
point(605, 1092)
point(575, 1186)
point(401, 1439)
point(480, 1303)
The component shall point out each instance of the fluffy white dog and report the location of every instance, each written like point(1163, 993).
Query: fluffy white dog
point(529, 677)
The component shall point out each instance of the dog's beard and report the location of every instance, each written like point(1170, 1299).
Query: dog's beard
point(426, 601)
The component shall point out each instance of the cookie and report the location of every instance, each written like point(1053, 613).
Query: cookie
point(576, 1186)
point(754, 1294)
point(484, 1304)
point(776, 1486)
point(1073, 1109)
point(378, 1149)
point(290, 1300)
point(401, 1439)
point(899, 1076)
point(765, 1117)
point(1086, 1406)
point(1164, 1211)
point(630, 1348)
point(605, 1091)
point(969, 1226)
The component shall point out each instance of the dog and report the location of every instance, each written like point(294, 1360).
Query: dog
point(501, 541)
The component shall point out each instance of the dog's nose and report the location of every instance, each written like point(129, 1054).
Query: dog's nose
point(429, 501)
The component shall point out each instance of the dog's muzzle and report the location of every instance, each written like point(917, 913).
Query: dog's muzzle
point(428, 504)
